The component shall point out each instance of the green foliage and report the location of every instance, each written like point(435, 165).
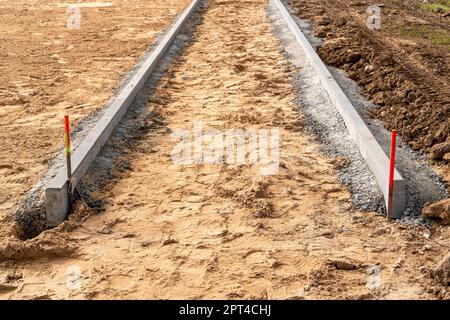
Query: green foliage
point(436, 36)
point(440, 6)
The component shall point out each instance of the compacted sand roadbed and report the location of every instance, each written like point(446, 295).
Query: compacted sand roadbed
point(224, 231)
point(47, 71)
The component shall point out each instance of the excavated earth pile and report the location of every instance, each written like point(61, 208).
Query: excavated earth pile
point(400, 68)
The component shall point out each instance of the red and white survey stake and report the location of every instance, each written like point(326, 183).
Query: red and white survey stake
point(391, 173)
point(69, 163)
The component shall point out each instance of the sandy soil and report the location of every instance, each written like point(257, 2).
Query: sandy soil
point(225, 231)
point(47, 71)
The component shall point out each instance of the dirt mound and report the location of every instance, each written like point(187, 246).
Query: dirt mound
point(441, 151)
point(252, 195)
point(242, 116)
point(48, 244)
point(404, 105)
point(439, 210)
point(407, 79)
point(442, 272)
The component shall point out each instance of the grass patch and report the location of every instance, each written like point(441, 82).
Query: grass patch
point(436, 36)
point(440, 6)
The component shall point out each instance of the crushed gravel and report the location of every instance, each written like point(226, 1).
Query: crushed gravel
point(327, 126)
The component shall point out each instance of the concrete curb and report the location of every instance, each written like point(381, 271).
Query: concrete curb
point(56, 195)
point(369, 148)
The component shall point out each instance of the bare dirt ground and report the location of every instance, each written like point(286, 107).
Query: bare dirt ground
point(224, 231)
point(47, 71)
point(403, 68)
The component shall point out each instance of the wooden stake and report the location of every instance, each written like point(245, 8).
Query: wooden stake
point(391, 174)
point(68, 159)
